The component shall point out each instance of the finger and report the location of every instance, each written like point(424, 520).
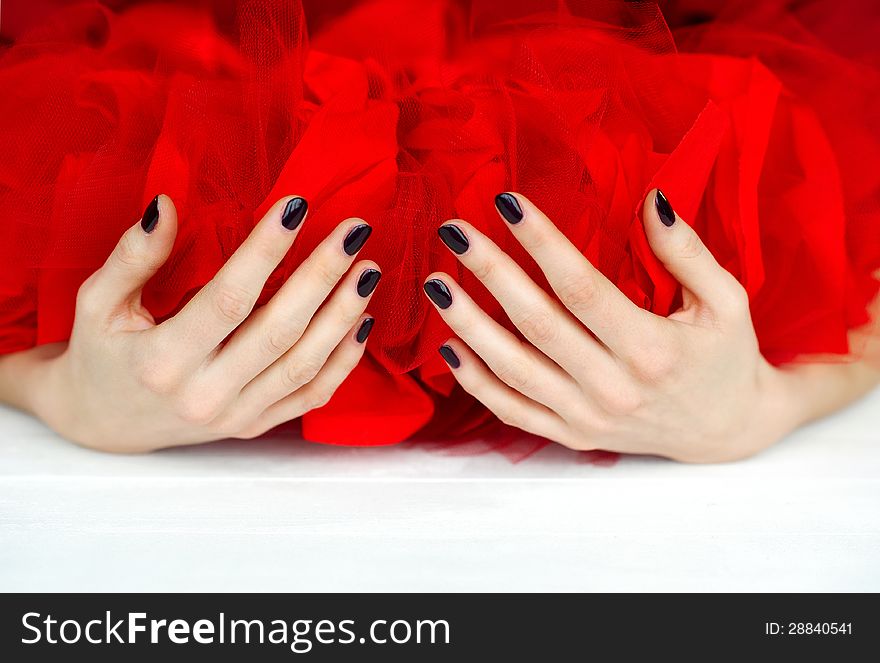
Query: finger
point(540, 318)
point(230, 296)
point(508, 405)
point(302, 361)
point(519, 366)
point(278, 325)
point(138, 255)
point(584, 290)
point(683, 253)
point(317, 392)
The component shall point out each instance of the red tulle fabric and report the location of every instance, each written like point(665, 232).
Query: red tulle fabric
point(758, 120)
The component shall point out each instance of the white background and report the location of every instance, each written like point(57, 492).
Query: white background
point(288, 515)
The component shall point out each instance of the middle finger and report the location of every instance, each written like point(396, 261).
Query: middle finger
point(278, 325)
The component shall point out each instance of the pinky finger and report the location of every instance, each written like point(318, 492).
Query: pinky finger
point(316, 393)
point(510, 406)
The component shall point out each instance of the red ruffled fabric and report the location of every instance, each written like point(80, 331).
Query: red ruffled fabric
point(758, 121)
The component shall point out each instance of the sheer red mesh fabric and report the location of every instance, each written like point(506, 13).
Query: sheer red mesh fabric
point(758, 121)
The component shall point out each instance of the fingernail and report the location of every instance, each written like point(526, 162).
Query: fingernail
point(664, 209)
point(439, 293)
point(356, 238)
point(364, 330)
point(151, 216)
point(454, 238)
point(449, 356)
point(368, 282)
point(508, 205)
point(294, 213)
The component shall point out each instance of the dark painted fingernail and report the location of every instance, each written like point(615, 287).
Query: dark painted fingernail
point(294, 213)
point(151, 216)
point(439, 293)
point(664, 209)
point(356, 238)
point(508, 205)
point(449, 356)
point(454, 238)
point(364, 330)
point(368, 282)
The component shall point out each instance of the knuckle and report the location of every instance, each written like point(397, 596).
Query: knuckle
point(197, 410)
point(232, 303)
point(88, 302)
point(349, 315)
point(539, 326)
point(277, 341)
point(515, 373)
point(317, 399)
point(534, 240)
point(159, 379)
point(579, 414)
point(691, 246)
point(509, 417)
point(269, 252)
point(127, 252)
point(656, 364)
point(465, 323)
point(328, 273)
point(484, 270)
point(294, 328)
point(299, 373)
point(578, 291)
point(735, 301)
point(621, 401)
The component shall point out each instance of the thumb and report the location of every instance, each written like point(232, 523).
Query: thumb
point(138, 255)
point(683, 253)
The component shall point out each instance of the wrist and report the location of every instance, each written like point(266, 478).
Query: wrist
point(808, 391)
point(782, 410)
point(29, 379)
point(26, 377)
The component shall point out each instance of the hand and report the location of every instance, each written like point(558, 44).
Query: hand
point(214, 370)
point(598, 372)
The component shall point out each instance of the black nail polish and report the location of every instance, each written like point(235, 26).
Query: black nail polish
point(439, 293)
point(509, 207)
point(151, 216)
point(454, 238)
point(294, 212)
point(368, 282)
point(364, 330)
point(449, 356)
point(356, 238)
point(664, 209)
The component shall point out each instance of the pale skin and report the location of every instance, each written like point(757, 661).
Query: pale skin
point(594, 370)
point(597, 372)
point(125, 384)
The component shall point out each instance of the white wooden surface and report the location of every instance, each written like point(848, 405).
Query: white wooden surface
point(286, 515)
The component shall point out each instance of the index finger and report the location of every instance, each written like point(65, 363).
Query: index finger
point(228, 298)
